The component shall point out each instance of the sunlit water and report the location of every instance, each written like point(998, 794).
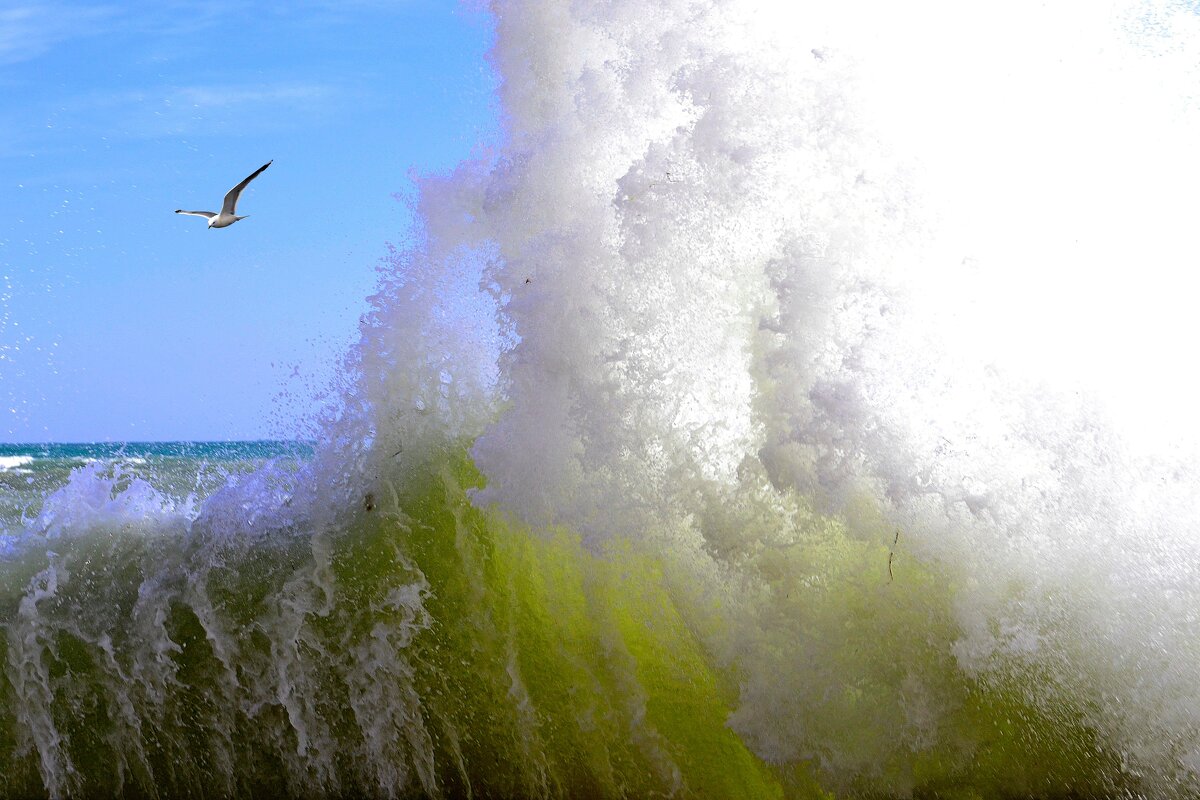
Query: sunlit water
point(185, 471)
point(766, 414)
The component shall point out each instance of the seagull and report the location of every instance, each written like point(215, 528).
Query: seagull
point(228, 214)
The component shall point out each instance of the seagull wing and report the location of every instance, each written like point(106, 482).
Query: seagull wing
point(230, 204)
point(208, 214)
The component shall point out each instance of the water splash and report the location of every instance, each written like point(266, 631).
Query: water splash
point(757, 475)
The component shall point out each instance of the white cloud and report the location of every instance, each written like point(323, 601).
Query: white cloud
point(210, 97)
point(27, 31)
point(31, 29)
point(208, 109)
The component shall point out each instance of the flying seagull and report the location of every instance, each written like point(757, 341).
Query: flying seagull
point(228, 214)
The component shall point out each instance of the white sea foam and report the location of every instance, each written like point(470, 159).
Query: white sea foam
point(117, 459)
point(13, 463)
point(94, 498)
point(739, 251)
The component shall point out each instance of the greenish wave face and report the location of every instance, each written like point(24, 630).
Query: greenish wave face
point(419, 645)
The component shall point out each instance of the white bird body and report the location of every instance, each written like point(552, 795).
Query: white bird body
point(228, 214)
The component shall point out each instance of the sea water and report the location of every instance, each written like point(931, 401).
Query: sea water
point(718, 434)
point(31, 472)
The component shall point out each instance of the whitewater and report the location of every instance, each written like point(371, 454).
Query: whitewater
point(789, 402)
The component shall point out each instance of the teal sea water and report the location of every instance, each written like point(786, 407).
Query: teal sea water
point(30, 472)
point(666, 465)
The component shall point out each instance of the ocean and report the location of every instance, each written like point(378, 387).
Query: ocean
point(771, 412)
point(182, 470)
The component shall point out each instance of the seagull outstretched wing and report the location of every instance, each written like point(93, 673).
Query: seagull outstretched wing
point(208, 214)
point(231, 198)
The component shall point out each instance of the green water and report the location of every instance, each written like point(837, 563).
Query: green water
point(414, 645)
point(421, 647)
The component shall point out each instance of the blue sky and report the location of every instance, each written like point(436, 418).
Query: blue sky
point(120, 320)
